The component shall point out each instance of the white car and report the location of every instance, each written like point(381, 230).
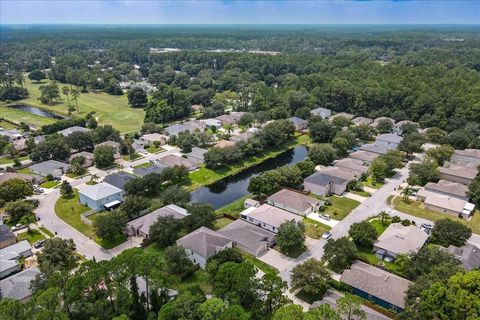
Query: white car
point(327, 235)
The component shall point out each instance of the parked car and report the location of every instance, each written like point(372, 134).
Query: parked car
point(427, 227)
point(39, 244)
point(38, 190)
point(324, 216)
point(327, 235)
point(18, 226)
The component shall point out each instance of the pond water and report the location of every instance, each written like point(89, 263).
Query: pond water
point(227, 190)
point(36, 111)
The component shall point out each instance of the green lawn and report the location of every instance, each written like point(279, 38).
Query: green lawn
point(69, 210)
point(371, 184)
point(341, 207)
point(222, 222)
point(143, 165)
point(31, 236)
point(154, 149)
point(415, 208)
point(74, 175)
point(113, 110)
point(5, 124)
point(315, 229)
point(26, 171)
point(204, 176)
point(47, 232)
point(16, 115)
point(373, 260)
point(7, 160)
point(259, 264)
point(49, 184)
point(361, 193)
point(379, 227)
point(132, 157)
point(234, 208)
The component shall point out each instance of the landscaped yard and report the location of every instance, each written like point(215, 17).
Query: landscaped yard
point(234, 208)
point(16, 115)
point(315, 229)
point(46, 231)
point(415, 208)
point(113, 110)
point(154, 149)
point(69, 210)
point(7, 160)
point(361, 193)
point(143, 165)
point(132, 157)
point(341, 207)
point(222, 222)
point(372, 184)
point(204, 176)
point(26, 171)
point(372, 259)
point(31, 236)
point(379, 226)
point(49, 184)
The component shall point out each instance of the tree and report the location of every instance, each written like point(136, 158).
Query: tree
point(384, 126)
point(176, 195)
point(109, 225)
point(236, 282)
point(265, 184)
point(81, 141)
point(323, 154)
point(307, 167)
point(201, 215)
point(411, 143)
point(435, 135)
point(77, 165)
point(211, 309)
point(340, 121)
point(226, 255)
point(409, 128)
point(310, 276)
point(36, 75)
point(321, 131)
point(177, 261)
point(363, 234)
point(18, 209)
point(132, 206)
point(183, 306)
point(394, 159)
point(75, 94)
point(339, 253)
point(291, 176)
point(425, 259)
point(165, 230)
point(473, 191)
point(378, 169)
point(66, 190)
point(49, 93)
point(350, 308)
point(289, 312)
point(291, 237)
point(66, 92)
point(441, 154)
point(15, 189)
point(423, 172)
point(271, 289)
point(137, 97)
point(104, 156)
point(447, 232)
point(322, 312)
point(57, 254)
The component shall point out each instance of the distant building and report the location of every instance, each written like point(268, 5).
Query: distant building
point(344, 114)
point(142, 172)
point(321, 112)
point(202, 244)
point(458, 173)
point(224, 143)
point(196, 107)
point(242, 136)
point(50, 167)
point(212, 123)
point(268, 217)
point(468, 157)
point(354, 165)
point(365, 156)
point(152, 138)
point(7, 237)
point(449, 188)
point(33, 179)
point(397, 127)
point(196, 125)
point(173, 160)
point(376, 285)
point(12, 134)
point(69, 131)
point(329, 180)
point(250, 203)
point(362, 120)
point(17, 287)
point(196, 154)
point(299, 123)
point(445, 204)
point(100, 196)
point(294, 202)
point(469, 255)
point(175, 129)
point(388, 140)
point(118, 179)
point(398, 239)
point(88, 156)
point(231, 118)
point(374, 148)
point(140, 227)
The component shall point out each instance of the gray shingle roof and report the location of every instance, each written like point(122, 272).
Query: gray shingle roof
point(52, 167)
point(377, 282)
point(247, 234)
point(99, 191)
point(472, 153)
point(363, 155)
point(197, 153)
point(322, 112)
point(17, 286)
point(118, 179)
point(390, 137)
point(204, 242)
point(294, 200)
point(469, 255)
point(323, 179)
point(69, 131)
point(144, 222)
point(175, 129)
point(459, 171)
point(351, 164)
point(142, 172)
point(173, 160)
point(401, 239)
point(375, 148)
point(449, 187)
point(297, 121)
point(14, 251)
point(362, 120)
point(5, 233)
point(272, 215)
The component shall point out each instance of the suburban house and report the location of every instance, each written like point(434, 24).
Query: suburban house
point(50, 167)
point(212, 123)
point(362, 120)
point(142, 172)
point(203, 243)
point(388, 140)
point(365, 156)
point(445, 204)
point(118, 179)
point(100, 196)
point(331, 180)
point(113, 144)
point(224, 143)
point(10, 255)
point(376, 285)
point(196, 107)
point(242, 136)
point(69, 131)
point(20, 144)
point(195, 125)
point(351, 164)
point(33, 179)
point(344, 114)
point(458, 173)
point(231, 118)
point(299, 123)
point(469, 255)
point(248, 237)
point(379, 149)
point(468, 157)
point(173, 160)
point(12, 134)
point(397, 127)
point(398, 239)
point(294, 202)
point(140, 227)
point(196, 154)
point(381, 119)
point(268, 217)
point(152, 138)
point(321, 112)
point(17, 286)
point(250, 203)
point(7, 237)
point(448, 188)
point(175, 129)
point(88, 156)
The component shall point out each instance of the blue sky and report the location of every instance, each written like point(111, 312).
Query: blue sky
point(238, 12)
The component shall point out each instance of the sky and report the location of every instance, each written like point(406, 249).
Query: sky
point(238, 12)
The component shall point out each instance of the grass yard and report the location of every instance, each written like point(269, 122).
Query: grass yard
point(69, 210)
point(5, 124)
point(341, 207)
point(259, 264)
point(47, 232)
point(233, 208)
point(143, 165)
point(50, 184)
point(372, 259)
point(7, 160)
point(26, 171)
point(415, 208)
point(315, 229)
point(74, 175)
point(379, 227)
point(361, 193)
point(154, 149)
point(222, 222)
point(16, 115)
point(204, 176)
point(31, 236)
point(371, 184)
point(113, 110)
point(132, 157)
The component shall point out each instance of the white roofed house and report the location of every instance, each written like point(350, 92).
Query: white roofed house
point(212, 123)
point(268, 217)
point(100, 196)
point(152, 138)
point(9, 257)
point(294, 202)
point(321, 112)
point(362, 120)
point(204, 243)
point(445, 203)
point(299, 123)
point(458, 173)
point(69, 131)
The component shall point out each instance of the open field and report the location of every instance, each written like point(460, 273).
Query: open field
point(21, 116)
point(113, 110)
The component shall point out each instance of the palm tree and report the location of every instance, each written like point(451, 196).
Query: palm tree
point(228, 127)
point(383, 217)
point(75, 93)
point(66, 91)
point(402, 259)
point(406, 192)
